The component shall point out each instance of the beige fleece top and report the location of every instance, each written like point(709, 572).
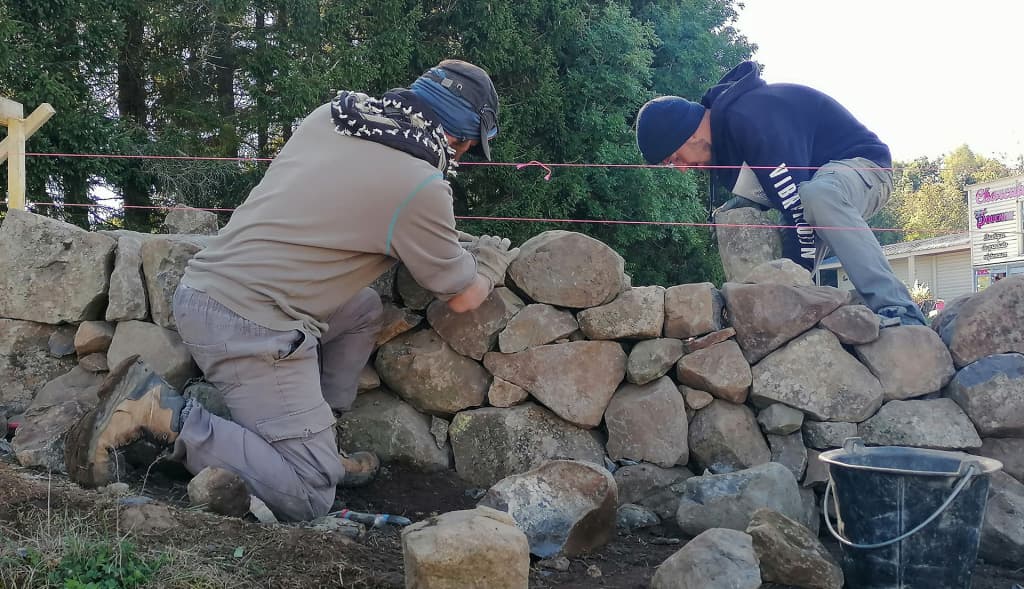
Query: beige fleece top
point(331, 214)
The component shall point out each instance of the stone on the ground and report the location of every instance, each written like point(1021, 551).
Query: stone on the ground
point(720, 370)
point(25, 362)
point(191, 221)
point(766, 316)
point(493, 443)
point(474, 549)
point(790, 554)
point(431, 376)
point(991, 392)
point(706, 341)
point(853, 324)
point(780, 271)
point(652, 359)
point(61, 344)
point(1009, 451)
point(209, 396)
point(163, 263)
point(474, 333)
point(814, 374)
point(816, 474)
point(368, 379)
point(565, 507)
point(730, 500)
point(823, 435)
point(631, 517)
point(413, 295)
point(695, 400)
point(576, 380)
point(725, 437)
point(536, 325)
point(639, 483)
point(637, 313)
point(337, 525)
point(220, 491)
point(789, 451)
point(988, 323)
point(567, 269)
point(742, 244)
point(147, 519)
point(127, 296)
point(505, 394)
point(395, 321)
point(39, 441)
point(382, 423)
point(938, 423)
point(648, 423)
point(1002, 533)
point(51, 271)
point(692, 310)
point(77, 384)
point(93, 337)
point(909, 361)
point(161, 349)
point(780, 420)
point(716, 558)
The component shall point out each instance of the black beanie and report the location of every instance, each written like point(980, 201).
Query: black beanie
point(664, 124)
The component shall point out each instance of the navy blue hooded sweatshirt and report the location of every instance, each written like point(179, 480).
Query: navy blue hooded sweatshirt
point(775, 128)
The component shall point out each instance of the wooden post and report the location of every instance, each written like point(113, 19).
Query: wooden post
point(12, 148)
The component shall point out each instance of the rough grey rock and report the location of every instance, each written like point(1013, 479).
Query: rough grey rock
point(724, 437)
point(652, 359)
point(744, 246)
point(780, 271)
point(1002, 533)
point(780, 420)
point(720, 370)
point(474, 548)
point(991, 391)
point(536, 325)
point(492, 443)
point(639, 483)
point(395, 321)
point(730, 500)
point(790, 554)
point(789, 451)
point(567, 269)
point(766, 316)
point(576, 380)
point(413, 295)
point(384, 424)
point(429, 375)
point(163, 263)
point(61, 344)
point(833, 386)
point(631, 517)
point(384, 285)
point(565, 507)
point(161, 349)
point(816, 474)
point(637, 313)
point(127, 297)
point(648, 423)
point(716, 558)
point(1009, 451)
point(191, 221)
point(822, 435)
point(692, 310)
point(983, 324)
point(439, 429)
point(25, 362)
point(812, 513)
point(220, 491)
point(505, 394)
point(51, 271)
point(853, 324)
point(937, 423)
point(93, 337)
point(909, 361)
point(474, 333)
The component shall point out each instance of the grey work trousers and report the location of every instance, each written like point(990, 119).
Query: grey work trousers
point(844, 194)
point(281, 439)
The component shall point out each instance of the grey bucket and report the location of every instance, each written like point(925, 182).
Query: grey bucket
point(908, 518)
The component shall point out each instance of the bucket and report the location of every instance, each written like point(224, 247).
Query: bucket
point(908, 518)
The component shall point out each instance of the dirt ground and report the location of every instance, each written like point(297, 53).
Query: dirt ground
point(226, 552)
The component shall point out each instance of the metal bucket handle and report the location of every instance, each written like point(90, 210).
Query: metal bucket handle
point(969, 473)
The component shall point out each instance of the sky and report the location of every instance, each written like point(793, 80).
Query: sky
point(926, 76)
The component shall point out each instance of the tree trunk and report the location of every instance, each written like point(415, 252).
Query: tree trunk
point(131, 105)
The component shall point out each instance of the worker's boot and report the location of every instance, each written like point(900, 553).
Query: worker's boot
point(360, 468)
point(135, 403)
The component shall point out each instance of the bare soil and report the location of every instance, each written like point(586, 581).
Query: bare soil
point(288, 556)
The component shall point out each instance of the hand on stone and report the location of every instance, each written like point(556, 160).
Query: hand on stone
point(466, 240)
point(737, 202)
point(493, 257)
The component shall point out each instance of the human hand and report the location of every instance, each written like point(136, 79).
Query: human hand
point(493, 257)
point(737, 202)
point(466, 240)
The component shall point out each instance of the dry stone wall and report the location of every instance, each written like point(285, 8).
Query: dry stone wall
point(568, 362)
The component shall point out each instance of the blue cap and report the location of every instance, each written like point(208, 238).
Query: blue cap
point(664, 124)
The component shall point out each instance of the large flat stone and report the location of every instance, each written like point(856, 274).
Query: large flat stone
point(637, 313)
point(730, 500)
point(692, 310)
point(991, 391)
point(161, 349)
point(567, 269)
point(937, 423)
point(474, 333)
point(382, 423)
point(536, 325)
point(745, 241)
point(988, 323)
point(909, 361)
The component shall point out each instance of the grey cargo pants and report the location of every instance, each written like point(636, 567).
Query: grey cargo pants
point(281, 439)
point(843, 194)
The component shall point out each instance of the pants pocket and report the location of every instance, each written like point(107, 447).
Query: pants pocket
point(299, 424)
